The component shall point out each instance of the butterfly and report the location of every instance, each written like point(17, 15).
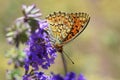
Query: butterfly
point(64, 27)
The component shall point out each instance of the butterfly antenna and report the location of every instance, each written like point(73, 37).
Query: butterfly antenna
point(68, 57)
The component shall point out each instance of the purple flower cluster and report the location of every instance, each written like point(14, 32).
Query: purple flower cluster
point(40, 51)
point(69, 76)
point(42, 76)
point(36, 76)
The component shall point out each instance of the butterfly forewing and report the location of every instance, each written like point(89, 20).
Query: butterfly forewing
point(80, 21)
point(66, 26)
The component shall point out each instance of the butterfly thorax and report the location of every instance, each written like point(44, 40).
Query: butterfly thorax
point(59, 48)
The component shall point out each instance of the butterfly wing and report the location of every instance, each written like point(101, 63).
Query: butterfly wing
point(64, 26)
point(80, 22)
point(59, 26)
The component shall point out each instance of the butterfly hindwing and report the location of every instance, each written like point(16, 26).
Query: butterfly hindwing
point(60, 26)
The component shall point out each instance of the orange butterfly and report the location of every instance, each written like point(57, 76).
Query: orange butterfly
point(64, 27)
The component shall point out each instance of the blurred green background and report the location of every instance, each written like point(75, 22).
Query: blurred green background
point(96, 52)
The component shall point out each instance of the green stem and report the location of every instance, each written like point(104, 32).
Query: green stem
point(64, 63)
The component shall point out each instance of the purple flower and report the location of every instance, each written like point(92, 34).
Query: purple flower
point(69, 76)
point(40, 51)
point(35, 76)
point(81, 77)
point(30, 12)
point(57, 77)
point(42, 76)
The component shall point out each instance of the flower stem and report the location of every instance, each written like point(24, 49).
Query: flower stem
point(64, 63)
point(60, 49)
point(17, 42)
